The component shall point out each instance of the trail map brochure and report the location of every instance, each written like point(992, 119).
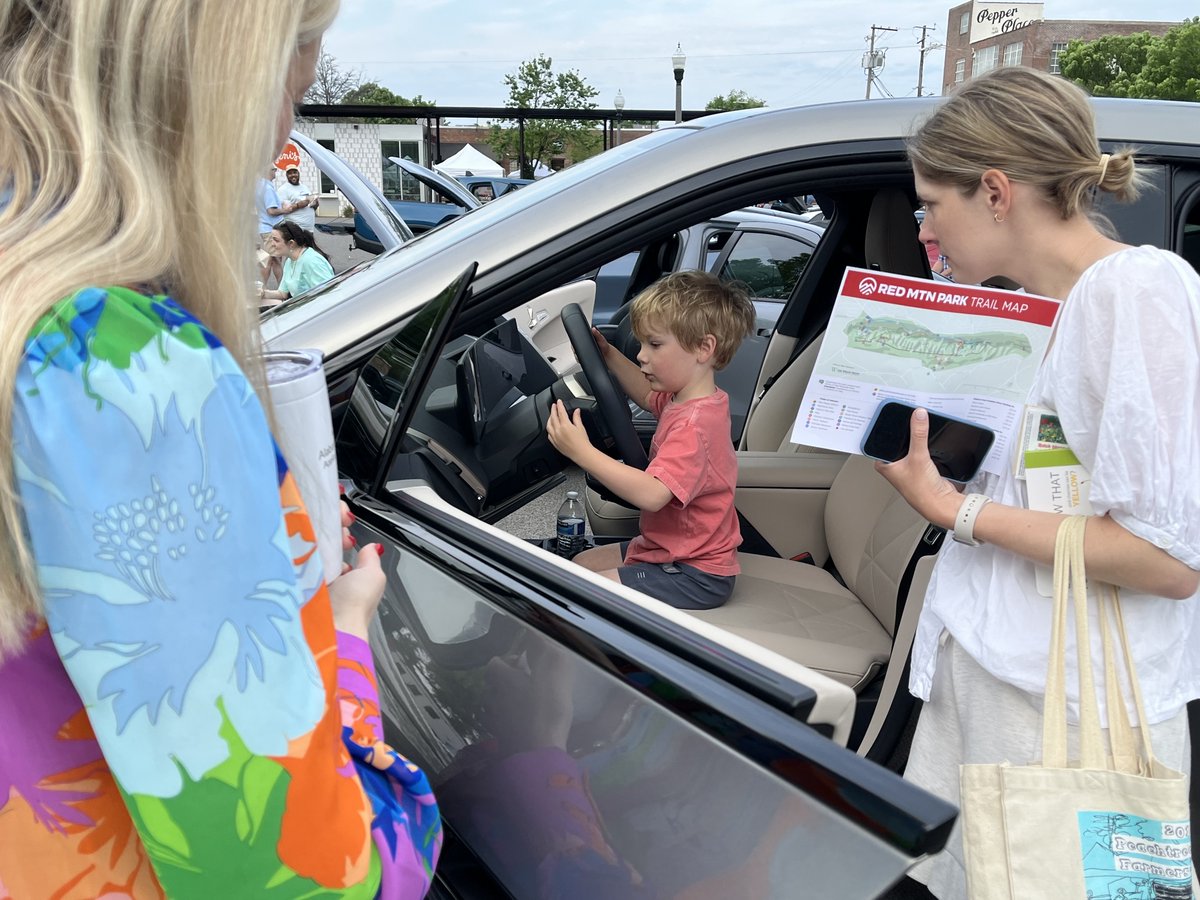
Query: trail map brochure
point(963, 350)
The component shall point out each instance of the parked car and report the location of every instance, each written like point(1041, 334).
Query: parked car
point(487, 187)
point(454, 200)
point(373, 213)
point(584, 740)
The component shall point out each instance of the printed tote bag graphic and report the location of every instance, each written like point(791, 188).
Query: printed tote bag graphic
point(1112, 824)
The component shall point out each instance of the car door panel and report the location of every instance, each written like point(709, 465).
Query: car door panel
point(565, 750)
point(540, 321)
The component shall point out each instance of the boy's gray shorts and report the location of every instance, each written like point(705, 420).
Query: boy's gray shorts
point(677, 584)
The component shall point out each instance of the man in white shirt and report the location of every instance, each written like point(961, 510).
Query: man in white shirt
point(299, 203)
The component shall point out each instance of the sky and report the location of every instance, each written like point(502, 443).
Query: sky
point(785, 52)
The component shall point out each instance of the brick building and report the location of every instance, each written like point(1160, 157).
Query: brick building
point(984, 35)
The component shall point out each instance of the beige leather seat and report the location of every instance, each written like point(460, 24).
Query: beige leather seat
point(803, 612)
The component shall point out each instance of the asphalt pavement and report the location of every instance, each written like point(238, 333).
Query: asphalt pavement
point(539, 518)
point(334, 238)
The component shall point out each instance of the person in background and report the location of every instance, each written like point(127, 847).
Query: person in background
point(299, 204)
point(690, 325)
point(937, 262)
point(187, 709)
point(305, 265)
point(270, 214)
point(1008, 169)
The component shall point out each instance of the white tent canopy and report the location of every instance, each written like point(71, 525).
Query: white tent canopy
point(540, 170)
point(469, 161)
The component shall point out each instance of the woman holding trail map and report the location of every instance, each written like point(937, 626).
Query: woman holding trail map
point(1007, 170)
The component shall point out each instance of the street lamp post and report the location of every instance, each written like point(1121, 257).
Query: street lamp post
point(677, 61)
point(618, 105)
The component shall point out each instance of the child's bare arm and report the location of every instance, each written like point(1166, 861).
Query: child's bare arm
point(627, 373)
point(633, 485)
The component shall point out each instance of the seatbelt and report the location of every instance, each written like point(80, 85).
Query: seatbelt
point(753, 540)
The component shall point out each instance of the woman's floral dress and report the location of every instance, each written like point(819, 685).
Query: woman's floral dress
point(186, 721)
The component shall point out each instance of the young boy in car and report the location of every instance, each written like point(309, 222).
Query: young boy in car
point(690, 324)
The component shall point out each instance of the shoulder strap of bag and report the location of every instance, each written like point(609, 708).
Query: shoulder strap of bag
point(1070, 586)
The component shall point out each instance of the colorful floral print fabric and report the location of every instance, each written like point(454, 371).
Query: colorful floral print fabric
point(185, 722)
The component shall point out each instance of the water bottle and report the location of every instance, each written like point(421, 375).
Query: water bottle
point(570, 526)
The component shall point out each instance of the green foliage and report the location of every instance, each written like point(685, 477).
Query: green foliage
point(1138, 65)
point(373, 94)
point(735, 99)
point(535, 85)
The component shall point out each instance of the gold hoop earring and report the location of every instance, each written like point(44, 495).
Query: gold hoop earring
point(996, 218)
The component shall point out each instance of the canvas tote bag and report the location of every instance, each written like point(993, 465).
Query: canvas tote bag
point(1113, 824)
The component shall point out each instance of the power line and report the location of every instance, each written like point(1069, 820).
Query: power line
point(577, 59)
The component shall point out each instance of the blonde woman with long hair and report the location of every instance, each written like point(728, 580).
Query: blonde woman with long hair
point(186, 709)
point(1008, 169)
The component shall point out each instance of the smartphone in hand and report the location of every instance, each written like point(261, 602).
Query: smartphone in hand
point(957, 447)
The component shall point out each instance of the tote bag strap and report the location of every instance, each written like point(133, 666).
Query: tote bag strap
point(1070, 587)
point(1147, 754)
point(1120, 732)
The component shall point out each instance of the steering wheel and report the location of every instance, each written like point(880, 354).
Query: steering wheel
point(609, 398)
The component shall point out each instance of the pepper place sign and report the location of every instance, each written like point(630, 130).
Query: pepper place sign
point(989, 19)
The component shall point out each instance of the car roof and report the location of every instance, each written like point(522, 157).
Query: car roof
point(554, 212)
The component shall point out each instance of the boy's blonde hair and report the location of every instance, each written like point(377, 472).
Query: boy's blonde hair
point(691, 305)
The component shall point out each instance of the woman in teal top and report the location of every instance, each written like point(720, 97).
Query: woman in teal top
point(305, 265)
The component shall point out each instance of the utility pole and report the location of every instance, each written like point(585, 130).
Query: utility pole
point(873, 60)
point(921, 57)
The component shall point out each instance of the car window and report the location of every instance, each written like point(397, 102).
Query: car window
point(1189, 239)
point(769, 264)
point(714, 242)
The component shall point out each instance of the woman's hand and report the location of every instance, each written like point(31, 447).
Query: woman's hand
point(918, 480)
point(356, 593)
point(568, 435)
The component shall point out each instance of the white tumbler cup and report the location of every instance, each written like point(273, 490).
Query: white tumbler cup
point(304, 430)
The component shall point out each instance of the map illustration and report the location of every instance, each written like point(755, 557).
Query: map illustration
point(907, 339)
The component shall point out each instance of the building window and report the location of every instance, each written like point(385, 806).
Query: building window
point(984, 60)
point(964, 23)
point(1012, 54)
point(1056, 50)
point(393, 175)
point(960, 70)
point(327, 185)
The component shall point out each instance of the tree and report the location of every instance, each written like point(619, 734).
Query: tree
point(1107, 66)
point(371, 93)
point(332, 82)
point(1172, 70)
point(1138, 65)
point(535, 86)
point(735, 99)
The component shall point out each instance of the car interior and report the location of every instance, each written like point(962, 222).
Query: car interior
point(835, 562)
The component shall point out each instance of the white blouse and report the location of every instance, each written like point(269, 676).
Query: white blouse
point(1123, 374)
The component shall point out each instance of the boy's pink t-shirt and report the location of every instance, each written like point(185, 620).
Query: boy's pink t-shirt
point(692, 455)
